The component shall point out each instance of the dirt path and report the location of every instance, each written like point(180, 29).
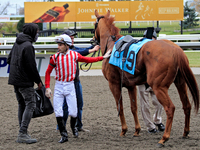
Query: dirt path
point(100, 117)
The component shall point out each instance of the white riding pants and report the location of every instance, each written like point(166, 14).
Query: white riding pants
point(67, 90)
point(144, 102)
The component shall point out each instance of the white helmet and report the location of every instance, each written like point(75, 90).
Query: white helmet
point(154, 34)
point(63, 39)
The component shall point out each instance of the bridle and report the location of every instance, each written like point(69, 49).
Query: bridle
point(98, 40)
point(94, 42)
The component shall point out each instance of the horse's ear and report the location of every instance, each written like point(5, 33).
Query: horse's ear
point(96, 13)
point(108, 13)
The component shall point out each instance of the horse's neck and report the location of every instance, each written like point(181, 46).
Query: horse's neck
point(106, 44)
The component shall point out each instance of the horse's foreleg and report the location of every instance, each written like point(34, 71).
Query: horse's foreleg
point(116, 91)
point(182, 89)
point(164, 99)
point(133, 100)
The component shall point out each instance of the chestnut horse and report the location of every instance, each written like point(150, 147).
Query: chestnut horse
point(159, 63)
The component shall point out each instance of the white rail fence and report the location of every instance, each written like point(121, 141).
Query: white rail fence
point(184, 41)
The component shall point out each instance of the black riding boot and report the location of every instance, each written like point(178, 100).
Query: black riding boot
point(73, 127)
point(63, 131)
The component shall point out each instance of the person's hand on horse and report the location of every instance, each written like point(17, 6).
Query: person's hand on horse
point(48, 92)
point(107, 54)
point(40, 86)
point(95, 49)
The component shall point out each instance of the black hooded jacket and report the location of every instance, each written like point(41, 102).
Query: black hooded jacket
point(23, 70)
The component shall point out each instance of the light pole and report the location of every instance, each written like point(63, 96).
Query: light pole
point(16, 9)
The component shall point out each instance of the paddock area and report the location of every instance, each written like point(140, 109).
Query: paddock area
point(100, 118)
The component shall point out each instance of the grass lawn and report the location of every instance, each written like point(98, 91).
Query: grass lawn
point(194, 58)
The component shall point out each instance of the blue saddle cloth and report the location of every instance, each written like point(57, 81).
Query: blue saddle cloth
point(130, 62)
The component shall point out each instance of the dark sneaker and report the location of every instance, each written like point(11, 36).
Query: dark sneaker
point(153, 130)
point(160, 126)
point(25, 138)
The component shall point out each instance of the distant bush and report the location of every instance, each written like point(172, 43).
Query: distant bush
point(87, 36)
point(20, 25)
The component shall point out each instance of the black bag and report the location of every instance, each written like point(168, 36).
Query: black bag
point(43, 104)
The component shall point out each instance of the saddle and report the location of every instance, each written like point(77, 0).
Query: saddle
point(121, 45)
point(124, 44)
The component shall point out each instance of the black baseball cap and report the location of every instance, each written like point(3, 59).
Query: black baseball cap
point(70, 32)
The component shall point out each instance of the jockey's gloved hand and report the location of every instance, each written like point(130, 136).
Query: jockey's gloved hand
point(48, 92)
point(107, 54)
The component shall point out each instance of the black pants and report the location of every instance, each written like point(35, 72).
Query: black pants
point(26, 106)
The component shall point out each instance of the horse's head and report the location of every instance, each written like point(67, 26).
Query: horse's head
point(96, 30)
point(105, 30)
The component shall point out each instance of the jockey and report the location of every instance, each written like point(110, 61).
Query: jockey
point(77, 83)
point(65, 63)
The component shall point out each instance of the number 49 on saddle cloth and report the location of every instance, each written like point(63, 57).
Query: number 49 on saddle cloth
point(129, 64)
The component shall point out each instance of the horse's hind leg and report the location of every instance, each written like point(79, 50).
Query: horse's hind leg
point(133, 100)
point(182, 89)
point(163, 97)
point(116, 91)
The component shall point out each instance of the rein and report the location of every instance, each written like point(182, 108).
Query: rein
point(113, 38)
point(88, 63)
point(96, 42)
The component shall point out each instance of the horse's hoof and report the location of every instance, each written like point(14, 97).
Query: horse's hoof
point(122, 135)
point(136, 135)
point(159, 145)
point(185, 137)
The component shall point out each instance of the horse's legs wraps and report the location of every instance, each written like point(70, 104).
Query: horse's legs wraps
point(116, 91)
point(164, 99)
point(182, 89)
point(133, 100)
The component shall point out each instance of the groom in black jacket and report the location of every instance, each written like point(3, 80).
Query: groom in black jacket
point(23, 74)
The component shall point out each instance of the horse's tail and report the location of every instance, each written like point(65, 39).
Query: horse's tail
point(189, 77)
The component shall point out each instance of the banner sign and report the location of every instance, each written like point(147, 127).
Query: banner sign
point(39, 12)
point(42, 61)
point(4, 18)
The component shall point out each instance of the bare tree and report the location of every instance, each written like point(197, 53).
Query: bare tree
point(4, 8)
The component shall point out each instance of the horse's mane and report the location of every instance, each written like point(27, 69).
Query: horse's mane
point(111, 25)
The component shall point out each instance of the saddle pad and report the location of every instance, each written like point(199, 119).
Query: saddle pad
point(129, 64)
